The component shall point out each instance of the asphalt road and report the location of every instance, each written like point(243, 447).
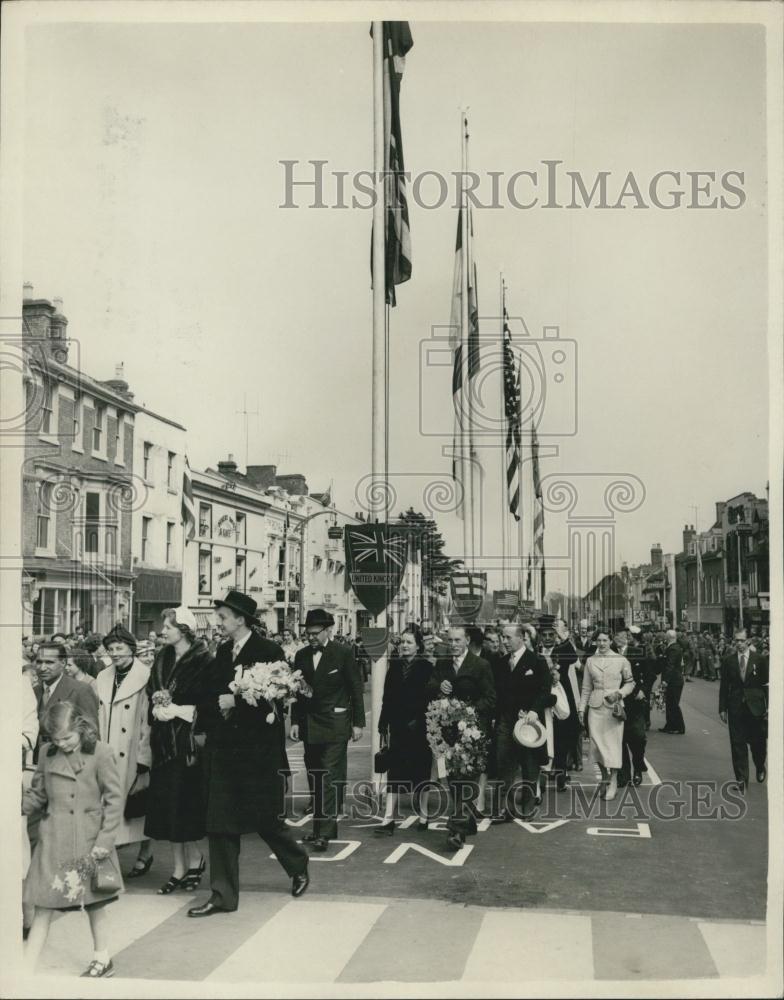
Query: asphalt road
point(628, 858)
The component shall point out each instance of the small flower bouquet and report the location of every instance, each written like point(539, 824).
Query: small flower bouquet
point(658, 699)
point(161, 698)
point(73, 877)
point(457, 742)
point(275, 683)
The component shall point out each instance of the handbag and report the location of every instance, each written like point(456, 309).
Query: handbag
point(618, 711)
point(105, 877)
point(382, 758)
point(136, 803)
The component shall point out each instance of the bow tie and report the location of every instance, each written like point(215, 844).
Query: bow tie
point(317, 649)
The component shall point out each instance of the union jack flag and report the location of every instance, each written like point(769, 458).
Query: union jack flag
point(378, 548)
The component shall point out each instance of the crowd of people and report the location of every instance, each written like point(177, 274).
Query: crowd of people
point(142, 742)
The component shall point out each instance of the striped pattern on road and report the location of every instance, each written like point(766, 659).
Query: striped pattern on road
point(369, 940)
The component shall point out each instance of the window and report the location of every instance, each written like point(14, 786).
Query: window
point(47, 411)
point(205, 521)
point(316, 562)
point(146, 461)
point(282, 562)
point(44, 513)
point(119, 439)
point(169, 541)
point(146, 522)
point(76, 427)
point(110, 541)
point(241, 528)
point(92, 521)
point(100, 417)
point(239, 575)
point(205, 571)
point(170, 471)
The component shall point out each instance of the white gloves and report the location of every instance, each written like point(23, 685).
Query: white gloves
point(165, 713)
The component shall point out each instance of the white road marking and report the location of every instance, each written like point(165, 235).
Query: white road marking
point(564, 947)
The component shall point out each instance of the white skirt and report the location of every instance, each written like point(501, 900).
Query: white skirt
point(606, 737)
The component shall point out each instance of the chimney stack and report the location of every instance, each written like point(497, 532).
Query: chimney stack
point(27, 291)
point(228, 467)
point(688, 536)
point(58, 305)
point(657, 559)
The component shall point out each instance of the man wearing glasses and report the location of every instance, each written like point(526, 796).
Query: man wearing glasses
point(326, 721)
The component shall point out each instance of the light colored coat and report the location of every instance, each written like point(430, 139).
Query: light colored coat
point(124, 725)
point(605, 673)
point(82, 801)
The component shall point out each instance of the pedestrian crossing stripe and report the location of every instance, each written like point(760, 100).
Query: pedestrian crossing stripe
point(273, 938)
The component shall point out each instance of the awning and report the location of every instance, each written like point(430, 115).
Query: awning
point(203, 619)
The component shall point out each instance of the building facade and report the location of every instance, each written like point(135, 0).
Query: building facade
point(77, 485)
point(269, 540)
point(157, 534)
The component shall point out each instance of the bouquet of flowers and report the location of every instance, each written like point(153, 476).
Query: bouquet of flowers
point(658, 698)
point(73, 877)
point(162, 698)
point(455, 737)
point(275, 683)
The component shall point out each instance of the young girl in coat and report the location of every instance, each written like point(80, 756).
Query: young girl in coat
point(77, 787)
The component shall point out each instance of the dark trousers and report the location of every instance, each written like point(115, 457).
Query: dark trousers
point(225, 860)
point(327, 765)
point(746, 733)
point(514, 763)
point(633, 749)
point(462, 792)
point(674, 717)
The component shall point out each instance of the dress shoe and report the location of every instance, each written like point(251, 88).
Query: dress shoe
point(385, 830)
point(310, 837)
point(207, 909)
point(319, 844)
point(742, 787)
point(454, 841)
point(498, 820)
point(299, 884)
point(637, 779)
point(471, 827)
point(422, 825)
point(669, 731)
point(761, 774)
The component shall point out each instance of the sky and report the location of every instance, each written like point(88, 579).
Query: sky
point(152, 198)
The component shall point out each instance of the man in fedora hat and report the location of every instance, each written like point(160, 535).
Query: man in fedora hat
point(326, 721)
point(245, 763)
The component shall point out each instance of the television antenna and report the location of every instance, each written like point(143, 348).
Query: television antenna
point(246, 414)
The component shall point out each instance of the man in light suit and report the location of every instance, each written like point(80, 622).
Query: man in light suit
point(326, 721)
point(743, 705)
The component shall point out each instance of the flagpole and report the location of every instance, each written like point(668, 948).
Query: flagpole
point(504, 431)
point(699, 562)
point(378, 458)
point(523, 498)
point(466, 441)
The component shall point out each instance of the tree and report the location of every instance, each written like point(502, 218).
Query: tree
point(437, 567)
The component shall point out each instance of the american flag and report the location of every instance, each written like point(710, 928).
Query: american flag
point(397, 241)
point(512, 412)
point(538, 509)
point(463, 406)
point(188, 515)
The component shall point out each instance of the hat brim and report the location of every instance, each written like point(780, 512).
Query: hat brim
point(235, 608)
point(521, 731)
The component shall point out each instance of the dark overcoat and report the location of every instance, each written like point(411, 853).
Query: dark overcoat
point(403, 716)
point(336, 704)
point(244, 755)
point(473, 684)
point(531, 690)
point(734, 692)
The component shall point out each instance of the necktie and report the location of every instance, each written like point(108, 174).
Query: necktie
point(406, 669)
point(743, 667)
point(235, 651)
point(47, 692)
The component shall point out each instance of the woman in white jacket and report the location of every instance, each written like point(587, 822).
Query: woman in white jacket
point(607, 681)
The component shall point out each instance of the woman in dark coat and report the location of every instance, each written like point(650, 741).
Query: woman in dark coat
point(176, 807)
point(402, 721)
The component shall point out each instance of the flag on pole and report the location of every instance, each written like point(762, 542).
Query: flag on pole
point(461, 370)
point(700, 571)
point(188, 507)
point(538, 509)
point(397, 237)
point(512, 412)
point(468, 594)
point(528, 580)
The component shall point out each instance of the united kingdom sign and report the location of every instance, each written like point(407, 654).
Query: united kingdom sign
point(376, 557)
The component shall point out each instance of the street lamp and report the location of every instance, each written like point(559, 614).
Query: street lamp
point(300, 529)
